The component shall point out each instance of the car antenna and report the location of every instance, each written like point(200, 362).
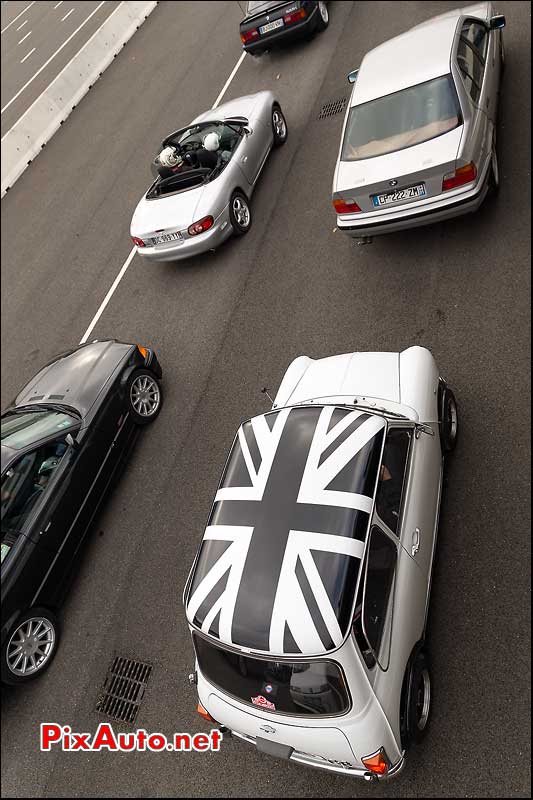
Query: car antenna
point(264, 390)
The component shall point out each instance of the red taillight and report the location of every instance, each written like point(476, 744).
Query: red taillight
point(248, 36)
point(378, 764)
point(461, 176)
point(205, 714)
point(201, 226)
point(294, 16)
point(345, 207)
point(138, 242)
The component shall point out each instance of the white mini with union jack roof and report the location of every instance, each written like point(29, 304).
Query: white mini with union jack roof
point(308, 598)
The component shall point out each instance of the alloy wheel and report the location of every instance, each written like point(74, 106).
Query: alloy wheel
point(30, 646)
point(323, 11)
point(423, 699)
point(241, 211)
point(279, 124)
point(145, 395)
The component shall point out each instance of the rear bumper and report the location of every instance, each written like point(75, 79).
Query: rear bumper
point(426, 212)
point(339, 769)
point(290, 33)
point(192, 246)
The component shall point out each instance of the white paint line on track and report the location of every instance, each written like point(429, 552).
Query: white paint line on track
point(25, 37)
point(109, 295)
point(17, 17)
point(129, 259)
point(58, 4)
point(21, 26)
point(68, 15)
point(98, 7)
point(232, 75)
point(29, 54)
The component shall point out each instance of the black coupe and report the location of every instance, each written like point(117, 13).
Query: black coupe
point(268, 23)
point(64, 438)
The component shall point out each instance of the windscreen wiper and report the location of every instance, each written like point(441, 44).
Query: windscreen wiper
point(379, 408)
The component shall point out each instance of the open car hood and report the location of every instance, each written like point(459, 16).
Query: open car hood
point(174, 212)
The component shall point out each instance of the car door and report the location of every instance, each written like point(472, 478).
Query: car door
point(480, 46)
point(471, 60)
point(255, 146)
point(422, 499)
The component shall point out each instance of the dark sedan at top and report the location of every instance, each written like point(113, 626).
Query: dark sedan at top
point(64, 438)
point(268, 24)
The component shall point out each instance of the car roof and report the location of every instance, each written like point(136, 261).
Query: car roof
point(278, 566)
point(419, 55)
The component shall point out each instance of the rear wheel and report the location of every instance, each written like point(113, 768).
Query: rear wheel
point(323, 16)
point(144, 396)
point(240, 214)
point(417, 701)
point(494, 179)
point(30, 646)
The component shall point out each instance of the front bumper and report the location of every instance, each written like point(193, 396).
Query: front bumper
point(425, 212)
point(297, 30)
point(192, 245)
point(338, 768)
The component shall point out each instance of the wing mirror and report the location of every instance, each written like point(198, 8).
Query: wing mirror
point(497, 21)
point(247, 131)
point(71, 441)
point(352, 76)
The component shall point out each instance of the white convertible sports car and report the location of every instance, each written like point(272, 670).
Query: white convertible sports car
point(308, 598)
point(204, 175)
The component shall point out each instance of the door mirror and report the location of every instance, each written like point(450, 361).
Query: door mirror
point(71, 441)
point(352, 76)
point(246, 130)
point(497, 21)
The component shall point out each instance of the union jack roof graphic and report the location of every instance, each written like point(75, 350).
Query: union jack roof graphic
point(278, 565)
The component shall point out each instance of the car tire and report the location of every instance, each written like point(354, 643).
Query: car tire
point(240, 215)
point(448, 424)
point(416, 701)
point(494, 177)
point(323, 16)
point(144, 396)
point(29, 627)
point(279, 126)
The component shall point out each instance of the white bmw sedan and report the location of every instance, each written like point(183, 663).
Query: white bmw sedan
point(419, 138)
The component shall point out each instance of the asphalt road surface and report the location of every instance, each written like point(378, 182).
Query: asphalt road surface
point(41, 34)
point(226, 324)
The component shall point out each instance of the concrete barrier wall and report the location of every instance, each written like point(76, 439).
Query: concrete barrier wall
point(38, 124)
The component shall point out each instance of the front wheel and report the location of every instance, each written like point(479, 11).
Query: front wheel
point(144, 396)
point(323, 17)
point(448, 420)
point(279, 126)
point(239, 213)
point(29, 647)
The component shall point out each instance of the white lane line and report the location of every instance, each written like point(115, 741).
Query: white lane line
point(21, 26)
point(109, 295)
point(25, 37)
point(98, 7)
point(129, 259)
point(68, 14)
point(29, 54)
point(58, 4)
point(17, 17)
point(232, 75)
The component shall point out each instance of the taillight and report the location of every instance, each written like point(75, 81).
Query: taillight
point(461, 176)
point(201, 226)
point(248, 36)
point(345, 207)
point(294, 16)
point(205, 714)
point(377, 763)
point(138, 242)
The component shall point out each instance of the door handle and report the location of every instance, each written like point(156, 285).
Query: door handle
point(45, 529)
point(244, 159)
point(415, 547)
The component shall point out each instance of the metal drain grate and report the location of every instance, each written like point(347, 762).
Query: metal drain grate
point(124, 689)
point(332, 108)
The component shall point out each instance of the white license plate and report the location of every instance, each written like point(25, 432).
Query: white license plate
point(168, 237)
point(278, 23)
point(399, 194)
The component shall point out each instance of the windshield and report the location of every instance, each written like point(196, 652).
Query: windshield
point(296, 688)
point(22, 428)
point(401, 120)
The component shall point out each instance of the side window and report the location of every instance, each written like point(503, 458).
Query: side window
point(24, 485)
point(391, 477)
point(471, 57)
point(380, 569)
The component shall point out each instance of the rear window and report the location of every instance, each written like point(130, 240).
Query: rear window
point(300, 688)
point(401, 120)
